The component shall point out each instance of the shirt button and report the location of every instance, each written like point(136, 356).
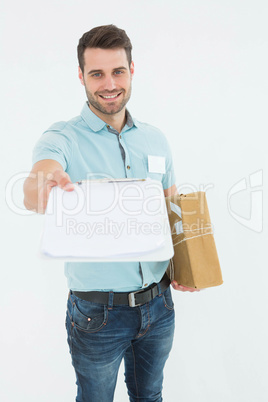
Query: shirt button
point(108, 126)
point(128, 167)
point(146, 284)
point(120, 136)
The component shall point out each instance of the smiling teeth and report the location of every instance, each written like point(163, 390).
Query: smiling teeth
point(109, 97)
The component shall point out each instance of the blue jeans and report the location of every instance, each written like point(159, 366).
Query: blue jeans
point(100, 336)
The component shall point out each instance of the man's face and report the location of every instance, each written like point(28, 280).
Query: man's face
point(107, 79)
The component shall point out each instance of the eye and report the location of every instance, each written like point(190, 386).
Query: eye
point(97, 75)
point(118, 72)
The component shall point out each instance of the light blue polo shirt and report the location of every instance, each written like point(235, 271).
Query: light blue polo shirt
point(88, 148)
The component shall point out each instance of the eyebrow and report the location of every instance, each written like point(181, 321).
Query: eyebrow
point(100, 71)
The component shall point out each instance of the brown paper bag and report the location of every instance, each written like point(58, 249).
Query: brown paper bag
point(195, 263)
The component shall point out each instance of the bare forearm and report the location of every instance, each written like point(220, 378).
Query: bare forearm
point(171, 191)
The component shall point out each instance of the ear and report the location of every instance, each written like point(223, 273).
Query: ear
point(132, 69)
point(80, 76)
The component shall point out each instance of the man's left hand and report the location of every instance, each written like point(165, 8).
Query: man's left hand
point(183, 288)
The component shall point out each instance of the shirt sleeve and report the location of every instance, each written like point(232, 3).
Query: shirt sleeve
point(54, 144)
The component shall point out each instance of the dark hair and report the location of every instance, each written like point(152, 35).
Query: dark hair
point(103, 37)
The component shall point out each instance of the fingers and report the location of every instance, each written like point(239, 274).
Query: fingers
point(62, 180)
point(182, 288)
point(58, 178)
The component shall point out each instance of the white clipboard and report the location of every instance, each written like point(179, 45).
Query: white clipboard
point(108, 220)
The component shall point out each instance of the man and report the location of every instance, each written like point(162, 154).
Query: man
point(105, 141)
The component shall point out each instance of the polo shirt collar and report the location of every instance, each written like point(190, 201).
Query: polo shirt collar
point(95, 123)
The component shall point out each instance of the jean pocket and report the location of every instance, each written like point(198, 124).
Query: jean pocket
point(167, 299)
point(88, 316)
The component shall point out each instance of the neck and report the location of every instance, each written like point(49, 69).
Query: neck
point(117, 120)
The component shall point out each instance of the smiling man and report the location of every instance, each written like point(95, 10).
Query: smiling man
point(117, 310)
point(108, 88)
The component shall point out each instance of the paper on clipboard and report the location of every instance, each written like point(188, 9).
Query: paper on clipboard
point(120, 220)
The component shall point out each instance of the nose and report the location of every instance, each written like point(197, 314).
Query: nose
point(109, 83)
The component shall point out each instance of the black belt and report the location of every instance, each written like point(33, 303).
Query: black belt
point(132, 299)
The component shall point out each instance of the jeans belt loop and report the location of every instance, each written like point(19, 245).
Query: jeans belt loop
point(111, 300)
point(159, 288)
point(156, 291)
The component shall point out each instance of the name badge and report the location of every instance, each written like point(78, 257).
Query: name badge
point(156, 164)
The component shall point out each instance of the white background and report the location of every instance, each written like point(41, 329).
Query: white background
point(201, 77)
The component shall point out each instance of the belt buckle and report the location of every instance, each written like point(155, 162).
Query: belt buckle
point(131, 299)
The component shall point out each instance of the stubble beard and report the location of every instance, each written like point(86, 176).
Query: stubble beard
point(109, 109)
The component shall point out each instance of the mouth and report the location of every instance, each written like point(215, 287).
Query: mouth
point(110, 97)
